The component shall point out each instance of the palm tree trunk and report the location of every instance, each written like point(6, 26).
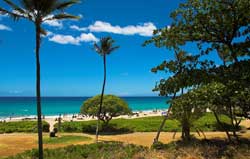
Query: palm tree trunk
point(102, 94)
point(38, 93)
point(156, 139)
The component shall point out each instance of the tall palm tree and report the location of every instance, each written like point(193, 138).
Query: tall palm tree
point(104, 48)
point(39, 11)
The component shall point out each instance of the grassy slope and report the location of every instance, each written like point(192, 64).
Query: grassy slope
point(115, 150)
point(21, 126)
point(64, 139)
point(147, 124)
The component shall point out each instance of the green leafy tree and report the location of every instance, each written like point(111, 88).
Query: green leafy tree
point(106, 47)
point(187, 110)
point(215, 25)
point(39, 11)
point(113, 106)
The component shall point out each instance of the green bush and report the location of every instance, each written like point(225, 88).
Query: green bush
point(106, 150)
point(21, 126)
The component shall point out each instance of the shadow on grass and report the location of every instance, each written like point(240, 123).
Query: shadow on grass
point(111, 129)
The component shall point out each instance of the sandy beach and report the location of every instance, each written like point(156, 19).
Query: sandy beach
point(77, 117)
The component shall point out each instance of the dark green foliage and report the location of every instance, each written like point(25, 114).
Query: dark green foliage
point(113, 106)
point(21, 126)
point(105, 150)
point(219, 26)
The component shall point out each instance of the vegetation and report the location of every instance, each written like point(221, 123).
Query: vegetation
point(106, 47)
point(222, 88)
point(113, 106)
point(39, 11)
point(146, 124)
point(105, 150)
point(22, 126)
point(215, 148)
point(65, 139)
point(116, 150)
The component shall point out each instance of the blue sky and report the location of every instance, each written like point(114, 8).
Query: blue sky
point(70, 67)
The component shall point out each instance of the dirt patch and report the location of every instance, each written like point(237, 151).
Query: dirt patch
point(11, 144)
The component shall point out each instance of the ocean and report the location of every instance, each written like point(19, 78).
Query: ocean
point(53, 106)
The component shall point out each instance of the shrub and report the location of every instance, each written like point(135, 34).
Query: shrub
point(113, 106)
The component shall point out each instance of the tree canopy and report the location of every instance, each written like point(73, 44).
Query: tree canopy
point(113, 106)
point(211, 26)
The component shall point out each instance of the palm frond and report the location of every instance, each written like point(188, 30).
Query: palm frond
point(97, 48)
point(15, 7)
point(61, 16)
point(106, 46)
point(43, 32)
point(11, 14)
point(113, 49)
point(63, 5)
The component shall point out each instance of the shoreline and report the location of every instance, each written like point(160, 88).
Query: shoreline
point(79, 117)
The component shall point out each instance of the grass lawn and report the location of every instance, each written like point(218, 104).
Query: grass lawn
point(21, 126)
point(146, 124)
point(64, 139)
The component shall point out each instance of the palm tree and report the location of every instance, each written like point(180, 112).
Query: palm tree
point(39, 11)
point(105, 48)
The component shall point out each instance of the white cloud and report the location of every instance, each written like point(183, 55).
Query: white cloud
point(88, 38)
point(68, 39)
point(64, 39)
point(54, 23)
point(145, 29)
point(4, 27)
point(74, 27)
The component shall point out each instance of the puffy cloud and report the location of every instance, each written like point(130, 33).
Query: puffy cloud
point(74, 27)
point(68, 39)
point(64, 39)
point(88, 38)
point(54, 23)
point(4, 27)
point(145, 29)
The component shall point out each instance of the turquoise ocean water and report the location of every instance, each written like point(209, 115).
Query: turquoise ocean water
point(26, 106)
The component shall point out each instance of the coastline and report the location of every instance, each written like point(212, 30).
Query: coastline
point(79, 117)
